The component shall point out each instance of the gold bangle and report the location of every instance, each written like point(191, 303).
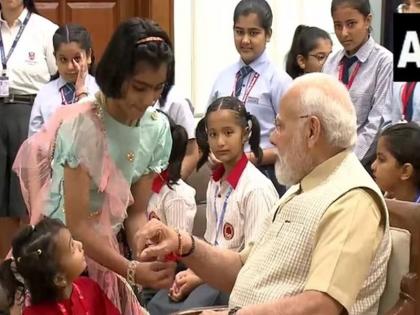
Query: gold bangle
point(131, 272)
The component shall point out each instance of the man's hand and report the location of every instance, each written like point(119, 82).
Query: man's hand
point(156, 240)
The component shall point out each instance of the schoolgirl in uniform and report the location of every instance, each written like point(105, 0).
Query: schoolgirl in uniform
point(27, 63)
point(253, 78)
point(239, 198)
point(366, 69)
point(397, 165)
point(172, 200)
point(310, 49)
point(73, 81)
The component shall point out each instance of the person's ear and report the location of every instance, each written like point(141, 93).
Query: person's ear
point(268, 35)
point(314, 131)
point(301, 62)
point(369, 21)
point(407, 171)
point(246, 134)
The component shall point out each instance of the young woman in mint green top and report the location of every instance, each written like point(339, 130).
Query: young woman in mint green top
point(93, 163)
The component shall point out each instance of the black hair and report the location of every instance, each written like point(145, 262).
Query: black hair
point(243, 117)
point(29, 5)
point(363, 6)
point(170, 79)
point(125, 51)
point(76, 33)
point(260, 7)
point(402, 141)
point(34, 260)
point(304, 41)
point(179, 148)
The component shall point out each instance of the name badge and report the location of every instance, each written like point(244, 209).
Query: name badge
point(253, 100)
point(4, 85)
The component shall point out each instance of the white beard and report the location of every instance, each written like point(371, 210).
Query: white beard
point(295, 163)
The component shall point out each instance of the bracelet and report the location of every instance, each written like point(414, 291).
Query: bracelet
point(174, 256)
point(191, 249)
point(131, 272)
point(179, 242)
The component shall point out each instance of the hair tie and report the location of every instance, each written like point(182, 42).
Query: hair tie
point(249, 129)
point(149, 39)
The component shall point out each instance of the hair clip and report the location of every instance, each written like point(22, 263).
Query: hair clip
point(149, 39)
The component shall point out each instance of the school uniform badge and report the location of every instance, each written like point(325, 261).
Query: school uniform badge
point(31, 59)
point(228, 231)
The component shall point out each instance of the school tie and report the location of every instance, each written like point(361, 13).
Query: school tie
point(409, 99)
point(68, 91)
point(347, 63)
point(240, 77)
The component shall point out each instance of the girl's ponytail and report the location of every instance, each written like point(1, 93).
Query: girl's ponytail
point(202, 142)
point(9, 285)
point(254, 137)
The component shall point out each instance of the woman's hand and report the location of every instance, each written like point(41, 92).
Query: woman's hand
point(155, 274)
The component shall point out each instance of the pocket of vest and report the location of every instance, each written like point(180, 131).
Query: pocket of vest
point(291, 230)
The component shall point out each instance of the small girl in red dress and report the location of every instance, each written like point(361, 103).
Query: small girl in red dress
point(45, 271)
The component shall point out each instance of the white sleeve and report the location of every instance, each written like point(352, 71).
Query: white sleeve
point(181, 113)
point(36, 121)
point(180, 211)
point(214, 94)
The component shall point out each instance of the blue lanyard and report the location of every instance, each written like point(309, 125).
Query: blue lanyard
point(219, 220)
point(5, 58)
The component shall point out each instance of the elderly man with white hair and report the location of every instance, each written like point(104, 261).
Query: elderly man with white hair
point(325, 249)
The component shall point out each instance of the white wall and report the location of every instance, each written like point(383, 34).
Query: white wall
point(204, 38)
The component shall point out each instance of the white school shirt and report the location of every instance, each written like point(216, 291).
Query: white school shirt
point(264, 96)
point(32, 62)
point(371, 91)
point(397, 108)
point(175, 207)
point(178, 108)
point(49, 99)
point(249, 197)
